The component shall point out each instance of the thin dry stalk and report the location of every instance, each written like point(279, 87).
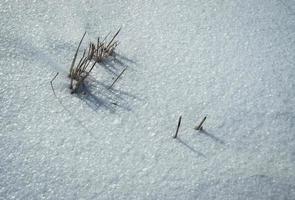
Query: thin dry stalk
point(74, 59)
point(178, 125)
point(118, 78)
point(200, 126)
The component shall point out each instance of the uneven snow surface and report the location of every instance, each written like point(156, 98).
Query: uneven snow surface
point(232, 60)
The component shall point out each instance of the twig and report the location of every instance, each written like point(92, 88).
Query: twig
point(179, 122)
point(117, 78)
point(52, 82)
point(200, 127)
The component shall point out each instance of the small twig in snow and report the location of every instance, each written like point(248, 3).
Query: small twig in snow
point(179, 122)
point(117, 78)
point(200, 127)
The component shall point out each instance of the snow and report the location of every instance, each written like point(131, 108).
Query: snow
point(232, 61)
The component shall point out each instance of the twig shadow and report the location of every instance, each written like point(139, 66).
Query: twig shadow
point(216, 139)
point(189, 147)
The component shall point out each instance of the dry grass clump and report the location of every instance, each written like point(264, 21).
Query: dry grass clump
point(104, 49)
point(97, 53)
point(79, 72)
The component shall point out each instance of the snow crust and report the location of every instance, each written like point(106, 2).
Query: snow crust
point(230, 60)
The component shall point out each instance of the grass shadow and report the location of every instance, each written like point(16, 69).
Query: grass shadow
point(115, 64)
point(190, 147)
point(98, 95)
point(213, 137)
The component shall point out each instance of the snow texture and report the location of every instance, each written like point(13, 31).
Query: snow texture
point(230, 60)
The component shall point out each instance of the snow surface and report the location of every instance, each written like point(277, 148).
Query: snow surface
point(232, 60)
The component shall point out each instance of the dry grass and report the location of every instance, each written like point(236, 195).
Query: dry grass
point(79, 72)
point(97, 53)
point(104, 49)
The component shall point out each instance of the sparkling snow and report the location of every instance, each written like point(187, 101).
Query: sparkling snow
point(231, 60)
